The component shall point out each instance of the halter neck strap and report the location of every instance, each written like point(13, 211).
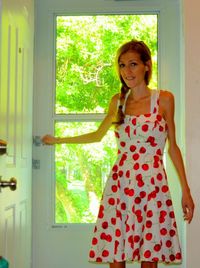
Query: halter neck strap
point(154, 101)
point(126, 97)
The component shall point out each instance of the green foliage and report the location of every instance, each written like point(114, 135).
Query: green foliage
point(81, 172)
point(85, 82)
point(86, 48)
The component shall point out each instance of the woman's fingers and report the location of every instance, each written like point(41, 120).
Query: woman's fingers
point(188, 211)
point(48, 139)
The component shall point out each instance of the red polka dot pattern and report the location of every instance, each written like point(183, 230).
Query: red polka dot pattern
point(136, 220)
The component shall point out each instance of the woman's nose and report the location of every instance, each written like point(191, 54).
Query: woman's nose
point(127, 70)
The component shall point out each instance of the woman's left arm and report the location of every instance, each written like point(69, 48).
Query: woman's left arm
point(167, 105)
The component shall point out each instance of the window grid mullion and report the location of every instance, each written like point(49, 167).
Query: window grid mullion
point(79, 117)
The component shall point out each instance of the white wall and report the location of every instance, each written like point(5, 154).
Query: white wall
point(192, 93)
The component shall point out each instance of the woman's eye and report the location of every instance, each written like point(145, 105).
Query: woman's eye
point(121, 65)
point(133, 64)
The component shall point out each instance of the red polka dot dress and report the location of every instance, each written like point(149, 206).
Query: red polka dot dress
point(136, 220)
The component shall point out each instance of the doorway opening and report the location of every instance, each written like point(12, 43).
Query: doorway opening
point(85, 81)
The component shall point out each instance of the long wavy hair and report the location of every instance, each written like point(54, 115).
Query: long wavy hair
point(145, 55)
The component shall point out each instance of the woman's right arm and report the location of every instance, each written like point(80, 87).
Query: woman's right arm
point(95, 136)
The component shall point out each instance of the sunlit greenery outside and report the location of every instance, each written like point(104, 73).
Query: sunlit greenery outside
point(85, 82)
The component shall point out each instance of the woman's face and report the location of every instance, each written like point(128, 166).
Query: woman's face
point(132, 69)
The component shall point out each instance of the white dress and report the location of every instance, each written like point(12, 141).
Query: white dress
point(136, 220)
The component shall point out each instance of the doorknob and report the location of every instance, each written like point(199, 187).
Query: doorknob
point(3, 145)
point(12, 184)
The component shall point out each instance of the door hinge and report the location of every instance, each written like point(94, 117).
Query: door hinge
point(35, 164)
point(37, 141)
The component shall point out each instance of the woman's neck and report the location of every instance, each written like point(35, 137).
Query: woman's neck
point(137, 94)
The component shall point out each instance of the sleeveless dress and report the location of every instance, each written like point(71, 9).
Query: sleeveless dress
point(136, 220)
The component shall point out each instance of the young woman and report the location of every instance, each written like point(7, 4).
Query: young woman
point(136, 220)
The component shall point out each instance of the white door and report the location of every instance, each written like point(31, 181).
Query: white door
point(66, 245)
point(16, 67)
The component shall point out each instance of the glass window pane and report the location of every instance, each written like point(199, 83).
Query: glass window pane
point(85, 82)
point(81, 173)
point(85, 51)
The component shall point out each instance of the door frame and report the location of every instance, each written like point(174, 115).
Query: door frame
point(170, 60)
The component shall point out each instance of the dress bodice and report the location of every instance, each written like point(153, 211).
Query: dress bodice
point(146, 132)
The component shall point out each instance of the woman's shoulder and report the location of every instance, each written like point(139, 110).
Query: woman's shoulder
point(116, 96)
point(115, 99)
point(166, 96)
point(166, 100)
point(113, 104)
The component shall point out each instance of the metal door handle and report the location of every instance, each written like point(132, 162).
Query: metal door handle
point(12, 184)
point(3, 145)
